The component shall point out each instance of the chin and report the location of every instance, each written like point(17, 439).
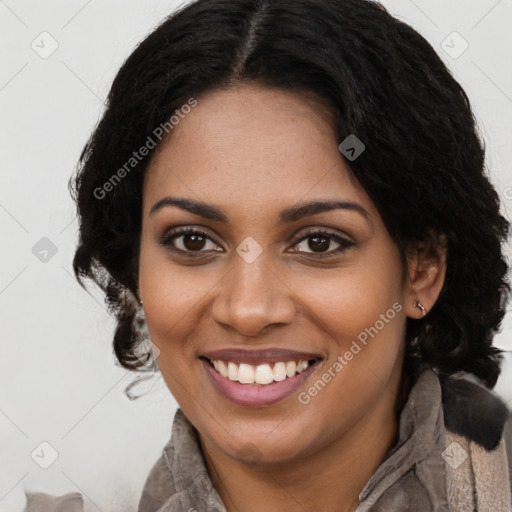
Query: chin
point(264, 451)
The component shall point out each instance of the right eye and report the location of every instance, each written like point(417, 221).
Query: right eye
point(186, 240)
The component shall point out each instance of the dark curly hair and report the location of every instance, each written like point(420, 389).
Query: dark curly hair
point(423, 166)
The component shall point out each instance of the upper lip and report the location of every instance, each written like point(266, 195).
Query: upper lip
point(256, 357)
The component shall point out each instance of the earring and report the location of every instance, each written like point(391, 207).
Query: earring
point(140, 315)
point(419, 305)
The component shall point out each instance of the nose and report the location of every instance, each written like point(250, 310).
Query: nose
point(253, 296)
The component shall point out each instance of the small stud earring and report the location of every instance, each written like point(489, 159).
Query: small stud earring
point(419, 305)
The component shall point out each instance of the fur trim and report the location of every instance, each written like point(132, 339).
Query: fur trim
point(474, 411)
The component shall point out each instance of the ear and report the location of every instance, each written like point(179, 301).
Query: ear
point(426, 273)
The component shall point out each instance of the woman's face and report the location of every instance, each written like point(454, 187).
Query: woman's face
point(255, 285)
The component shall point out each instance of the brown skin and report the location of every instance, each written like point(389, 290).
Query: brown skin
point(253, 152)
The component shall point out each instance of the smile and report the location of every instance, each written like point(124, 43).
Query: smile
point(262, 374)
point(254, 379)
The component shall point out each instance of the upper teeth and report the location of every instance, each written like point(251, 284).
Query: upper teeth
point(261, 374)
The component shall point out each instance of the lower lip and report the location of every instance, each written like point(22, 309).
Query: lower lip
point(257, 394)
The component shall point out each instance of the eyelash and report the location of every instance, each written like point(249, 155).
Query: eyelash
point(168, 238)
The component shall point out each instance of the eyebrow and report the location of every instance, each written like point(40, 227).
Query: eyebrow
point(287, 215)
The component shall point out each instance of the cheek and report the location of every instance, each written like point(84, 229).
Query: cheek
point(367, 327)
point(172, 301)
point(348, 302)
point(369, 336)
point(361, 310)
point(172, 293)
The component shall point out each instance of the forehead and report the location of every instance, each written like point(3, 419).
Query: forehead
point(253, 145)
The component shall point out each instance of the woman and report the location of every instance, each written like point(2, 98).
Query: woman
point(291, 197)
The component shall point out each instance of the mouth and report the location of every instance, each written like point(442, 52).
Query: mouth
point(262, 374)
point(258, 378)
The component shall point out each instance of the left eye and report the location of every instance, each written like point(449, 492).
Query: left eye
point(320, 240)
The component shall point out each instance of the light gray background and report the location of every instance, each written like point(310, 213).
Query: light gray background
point(60, 384)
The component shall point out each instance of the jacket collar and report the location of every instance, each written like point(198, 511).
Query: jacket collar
point(421, 439)
point(185, 461)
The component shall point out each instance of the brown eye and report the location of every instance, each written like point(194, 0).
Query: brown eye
point(188, 241)
point(320, 241)
point(193, 242)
